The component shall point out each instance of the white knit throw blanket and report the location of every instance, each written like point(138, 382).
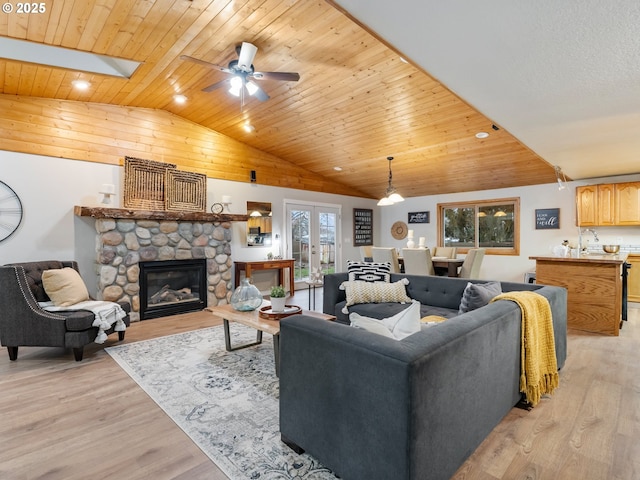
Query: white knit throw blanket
point(106, 314)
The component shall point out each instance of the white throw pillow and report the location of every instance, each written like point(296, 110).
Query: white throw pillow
point(64, 286)
point(401, 325)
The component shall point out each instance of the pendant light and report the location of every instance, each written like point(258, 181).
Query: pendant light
point(391, 196)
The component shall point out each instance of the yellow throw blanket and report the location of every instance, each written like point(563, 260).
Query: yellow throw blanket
point(538, 366)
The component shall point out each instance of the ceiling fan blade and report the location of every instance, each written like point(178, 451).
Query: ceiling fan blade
point(206, 64)
point(215, 86)
point(246, 56)
point(285, 76)
point(261, 95)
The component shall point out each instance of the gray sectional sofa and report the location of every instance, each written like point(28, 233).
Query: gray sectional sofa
point(372, 407)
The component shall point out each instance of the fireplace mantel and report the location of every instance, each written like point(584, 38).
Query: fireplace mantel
point(100, 212)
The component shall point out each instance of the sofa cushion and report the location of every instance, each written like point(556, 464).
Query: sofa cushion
point(375, 292)
point(368, 271)
point(64, 286)
point(399, 326)
point(478, 295)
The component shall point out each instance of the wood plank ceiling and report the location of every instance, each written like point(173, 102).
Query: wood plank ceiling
point(356, 102)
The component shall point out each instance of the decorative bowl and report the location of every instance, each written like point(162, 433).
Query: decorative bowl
point(611, 248)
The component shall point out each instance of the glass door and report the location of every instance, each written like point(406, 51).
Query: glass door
point(312, 239)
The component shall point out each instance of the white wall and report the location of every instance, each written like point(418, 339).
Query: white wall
point(50, 187)
point(532, 241)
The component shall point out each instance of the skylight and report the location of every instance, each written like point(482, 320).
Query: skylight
point(21, 50)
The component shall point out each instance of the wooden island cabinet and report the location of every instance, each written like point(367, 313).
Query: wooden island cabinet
point(594, 289)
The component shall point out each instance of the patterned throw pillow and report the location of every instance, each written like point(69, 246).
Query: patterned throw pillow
point(369, 271)
point(359, 291)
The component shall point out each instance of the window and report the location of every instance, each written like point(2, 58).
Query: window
point(490, 224)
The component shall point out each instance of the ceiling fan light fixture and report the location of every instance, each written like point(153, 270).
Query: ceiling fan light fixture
point(252, 88)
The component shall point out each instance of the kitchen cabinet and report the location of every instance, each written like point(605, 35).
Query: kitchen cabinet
point(627, 201)
point(587, 205)
point(633, 280)
point(608, 204)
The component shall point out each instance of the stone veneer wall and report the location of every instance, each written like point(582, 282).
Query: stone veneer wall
point(121, 244)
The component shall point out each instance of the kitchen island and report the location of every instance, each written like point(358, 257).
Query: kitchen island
point(594, 287)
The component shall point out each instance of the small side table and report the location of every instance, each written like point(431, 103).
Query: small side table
point(312, 292)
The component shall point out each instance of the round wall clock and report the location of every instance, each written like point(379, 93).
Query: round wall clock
point(10, 211)
point(217, 208)
point(399, 230)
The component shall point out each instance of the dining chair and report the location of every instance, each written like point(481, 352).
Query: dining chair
point(365, 253)
point(386, 254)
point(471, 265)
point(417, 261)
point(447, 252)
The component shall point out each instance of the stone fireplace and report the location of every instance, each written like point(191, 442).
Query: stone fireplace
point(126, 237)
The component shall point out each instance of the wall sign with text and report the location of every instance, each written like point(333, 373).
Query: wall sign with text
point(362, 227)
point(418, 217)
point(547, 218)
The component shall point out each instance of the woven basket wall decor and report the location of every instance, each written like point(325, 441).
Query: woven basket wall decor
point(185, 191)
point(144, 183)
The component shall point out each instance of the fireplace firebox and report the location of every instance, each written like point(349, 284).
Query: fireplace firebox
point(172, 287)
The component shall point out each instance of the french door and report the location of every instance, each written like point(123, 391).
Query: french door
point(312, 238)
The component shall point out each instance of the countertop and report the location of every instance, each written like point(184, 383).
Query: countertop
point(617, 258)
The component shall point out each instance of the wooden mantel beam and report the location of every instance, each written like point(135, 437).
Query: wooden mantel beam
point(100, 212)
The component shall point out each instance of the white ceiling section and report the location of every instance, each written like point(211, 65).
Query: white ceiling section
point(561, 76)
point(40, 54)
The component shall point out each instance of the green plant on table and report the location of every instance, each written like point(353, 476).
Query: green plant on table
point(277, 291)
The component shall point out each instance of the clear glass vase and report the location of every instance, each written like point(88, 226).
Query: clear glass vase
point(246, 297)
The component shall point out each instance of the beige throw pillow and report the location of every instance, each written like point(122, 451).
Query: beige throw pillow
point(64, 286)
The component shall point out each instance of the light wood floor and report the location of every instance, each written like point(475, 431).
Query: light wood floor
point(61, 419)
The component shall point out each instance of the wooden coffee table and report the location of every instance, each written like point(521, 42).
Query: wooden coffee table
point(252, 319)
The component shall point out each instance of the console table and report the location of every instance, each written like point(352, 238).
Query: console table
point(279, 265)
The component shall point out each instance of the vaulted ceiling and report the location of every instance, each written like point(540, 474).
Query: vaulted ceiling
point(356, 103)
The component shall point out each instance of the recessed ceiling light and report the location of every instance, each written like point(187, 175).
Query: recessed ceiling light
point(181, 99)
point(249, 128)
point(80, 84)
point(403, 60)
point(337, 169)
point(482, 135)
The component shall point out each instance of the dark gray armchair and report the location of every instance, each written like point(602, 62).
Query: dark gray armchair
point(24, 323)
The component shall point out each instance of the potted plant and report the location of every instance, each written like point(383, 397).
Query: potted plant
point(277, 298)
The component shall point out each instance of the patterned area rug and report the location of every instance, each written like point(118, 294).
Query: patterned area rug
point(227, 402)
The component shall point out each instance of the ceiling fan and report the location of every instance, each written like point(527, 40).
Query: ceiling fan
point(242, 74)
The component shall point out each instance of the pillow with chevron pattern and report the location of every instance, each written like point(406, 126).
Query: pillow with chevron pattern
point(360, 291)
point(369, 271)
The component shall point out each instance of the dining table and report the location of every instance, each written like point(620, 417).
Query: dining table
point(443, 266)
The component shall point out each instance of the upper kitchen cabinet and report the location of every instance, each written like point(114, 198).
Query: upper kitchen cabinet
point(608, 204)
point(628, 203)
